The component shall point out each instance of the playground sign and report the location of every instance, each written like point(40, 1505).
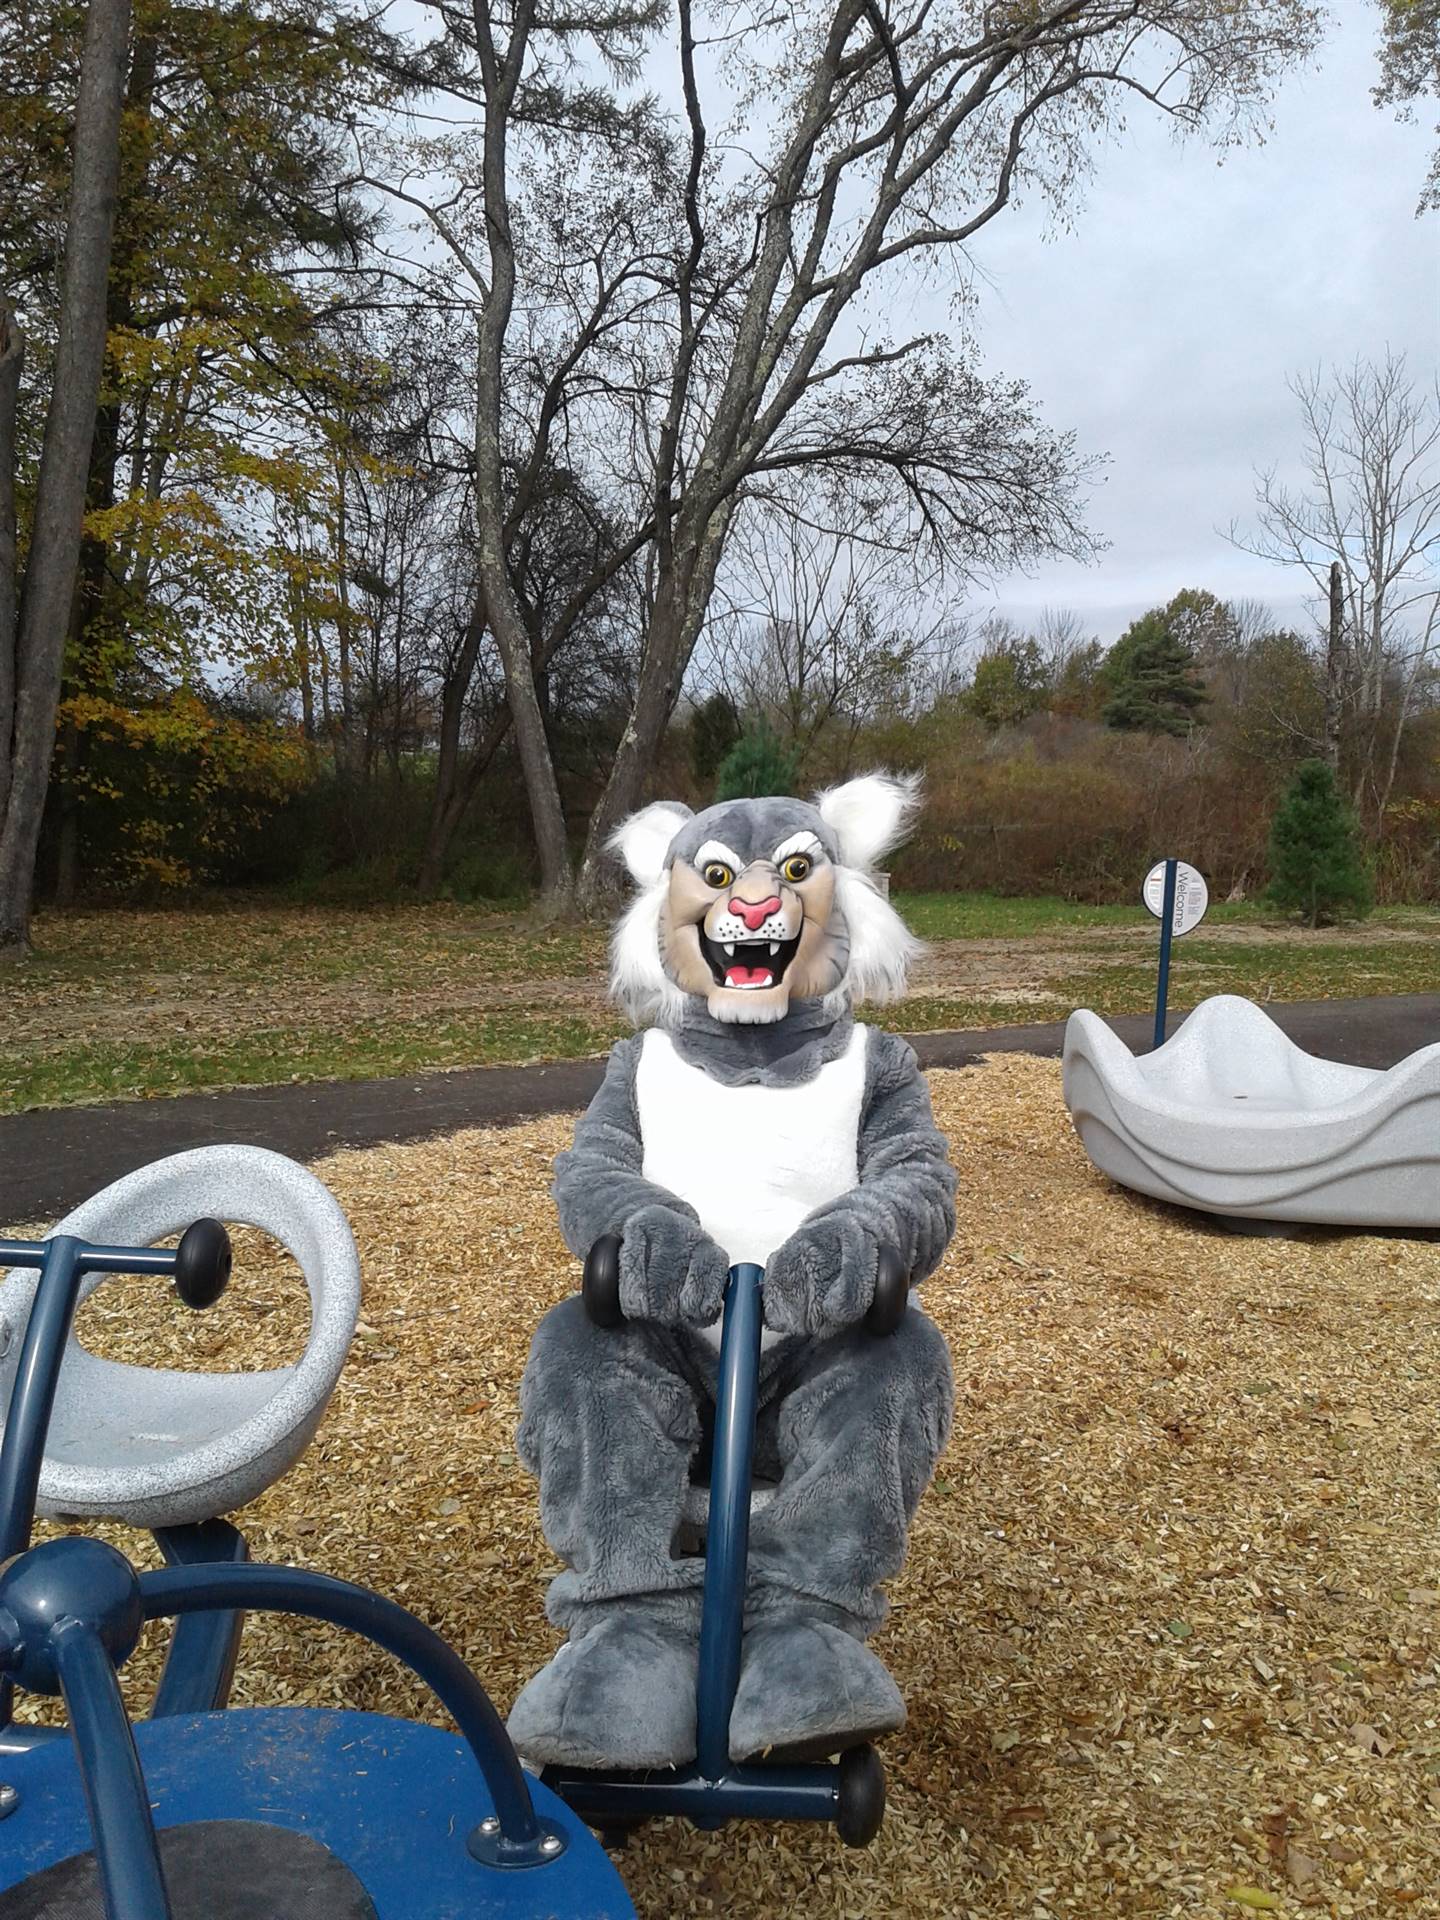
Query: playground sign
point(1176, 894)
point(1192, 896)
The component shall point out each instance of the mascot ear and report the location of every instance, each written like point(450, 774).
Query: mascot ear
point(644, 839)
point(869, 815)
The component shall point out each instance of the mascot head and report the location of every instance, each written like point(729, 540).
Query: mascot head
point(753, 904)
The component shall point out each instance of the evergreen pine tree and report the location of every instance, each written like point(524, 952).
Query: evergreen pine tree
point(1317, 866)
point(1153, 679)
point(714, 730)
point(756, 765)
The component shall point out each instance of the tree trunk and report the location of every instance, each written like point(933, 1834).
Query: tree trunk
point(345, 744)
point(12, 357)
point(453, 695)
point(445, 821)
point(1334, 667)
point(65, 460)
point(681, 600)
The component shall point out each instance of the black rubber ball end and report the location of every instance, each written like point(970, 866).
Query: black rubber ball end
point(600, 1288)
point(860, 1796)
point(892, 1294)
point(202, 1263)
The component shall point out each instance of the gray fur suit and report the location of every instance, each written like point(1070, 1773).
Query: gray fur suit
point(804, 1142)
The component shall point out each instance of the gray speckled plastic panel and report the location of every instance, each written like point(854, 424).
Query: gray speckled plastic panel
point(157, 1448)
point(1232, 1117)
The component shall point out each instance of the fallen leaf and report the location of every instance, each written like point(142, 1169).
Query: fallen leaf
point(1301, 1869)
point(1369, 1740)
point(1179, 1629)
point(1255, 1897)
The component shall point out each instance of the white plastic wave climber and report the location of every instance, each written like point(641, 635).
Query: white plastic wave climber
point(1230, 1116)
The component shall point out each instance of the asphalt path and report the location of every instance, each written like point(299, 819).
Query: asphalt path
point(54, 1157)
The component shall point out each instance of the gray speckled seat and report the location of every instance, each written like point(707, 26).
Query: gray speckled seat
point(1232, 1117)
point(154, 1447)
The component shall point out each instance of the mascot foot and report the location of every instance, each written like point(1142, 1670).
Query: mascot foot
point(808, 1689)
point(620, 1694)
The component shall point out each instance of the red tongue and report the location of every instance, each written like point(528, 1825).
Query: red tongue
point(747, 976)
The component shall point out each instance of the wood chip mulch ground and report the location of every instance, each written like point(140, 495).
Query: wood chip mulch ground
point(1168, 1630)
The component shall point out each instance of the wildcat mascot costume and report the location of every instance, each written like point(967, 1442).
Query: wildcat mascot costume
point(754, 1120)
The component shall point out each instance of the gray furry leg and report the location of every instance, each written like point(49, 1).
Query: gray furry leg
point(608, 1426)
point(859, 1430)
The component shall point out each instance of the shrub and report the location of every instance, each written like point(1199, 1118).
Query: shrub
point(1317, 867)
point(756, 765)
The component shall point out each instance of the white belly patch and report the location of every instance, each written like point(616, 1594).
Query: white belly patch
point(752, 1161)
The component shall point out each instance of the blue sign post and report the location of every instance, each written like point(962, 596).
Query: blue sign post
point(1177, 895)
point(1167, 935)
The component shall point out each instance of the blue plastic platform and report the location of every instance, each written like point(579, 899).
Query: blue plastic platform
point(394, 1801)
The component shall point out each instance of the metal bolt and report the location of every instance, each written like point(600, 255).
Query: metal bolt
point(9, 1800)
point(490, 1824)
point(551, 1844)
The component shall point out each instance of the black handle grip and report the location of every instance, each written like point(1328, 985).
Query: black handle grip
point(600, 1286)
point(202, 1263)
point(892, 1293)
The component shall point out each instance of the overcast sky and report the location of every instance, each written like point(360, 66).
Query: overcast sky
point(1163, 329)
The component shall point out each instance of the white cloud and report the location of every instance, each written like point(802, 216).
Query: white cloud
point(1163, 328)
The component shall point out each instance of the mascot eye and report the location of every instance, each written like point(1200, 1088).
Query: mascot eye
point(717, 874)
point(797, 866)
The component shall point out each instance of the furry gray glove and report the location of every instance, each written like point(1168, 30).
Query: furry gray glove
point(823, 1277)
point(671, 1271)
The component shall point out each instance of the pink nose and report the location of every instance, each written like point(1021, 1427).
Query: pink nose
point(756, 912)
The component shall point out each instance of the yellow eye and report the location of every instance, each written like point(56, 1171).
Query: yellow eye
point(797, 867)
point(717, 874)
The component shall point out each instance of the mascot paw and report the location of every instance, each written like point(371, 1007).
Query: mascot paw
point(621, 1694)
point(809, 1689)
point(822, 1278)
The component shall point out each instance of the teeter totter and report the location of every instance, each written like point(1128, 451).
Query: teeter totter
point(201, 1813)
point(848, 1792)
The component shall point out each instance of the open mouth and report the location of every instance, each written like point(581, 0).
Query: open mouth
point(747, 965)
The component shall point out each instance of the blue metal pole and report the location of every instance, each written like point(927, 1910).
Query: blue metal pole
point(1167, 934)
point(522, 1839)
point(204, 1647)
point(33, 1395)
point(63, 1263)
point(728, 1537)
point(758, 1792)
point(126, 1852)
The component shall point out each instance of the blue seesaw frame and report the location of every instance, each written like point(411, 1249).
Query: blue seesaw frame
point(429, 1824)
point(716, 1789)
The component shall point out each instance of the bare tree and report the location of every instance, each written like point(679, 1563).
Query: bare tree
point(678, 314)
point(1371, 506)
point(34, 617)
point(820, 629)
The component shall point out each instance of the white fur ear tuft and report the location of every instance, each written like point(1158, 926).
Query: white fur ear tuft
point(870, 815)
point(638, 980)
point(644, 839)
point(882, 947)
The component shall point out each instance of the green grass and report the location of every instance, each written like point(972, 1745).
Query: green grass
point(1264, 972)
point(994, 916)
point(122, 1004)
point(270, 1056)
